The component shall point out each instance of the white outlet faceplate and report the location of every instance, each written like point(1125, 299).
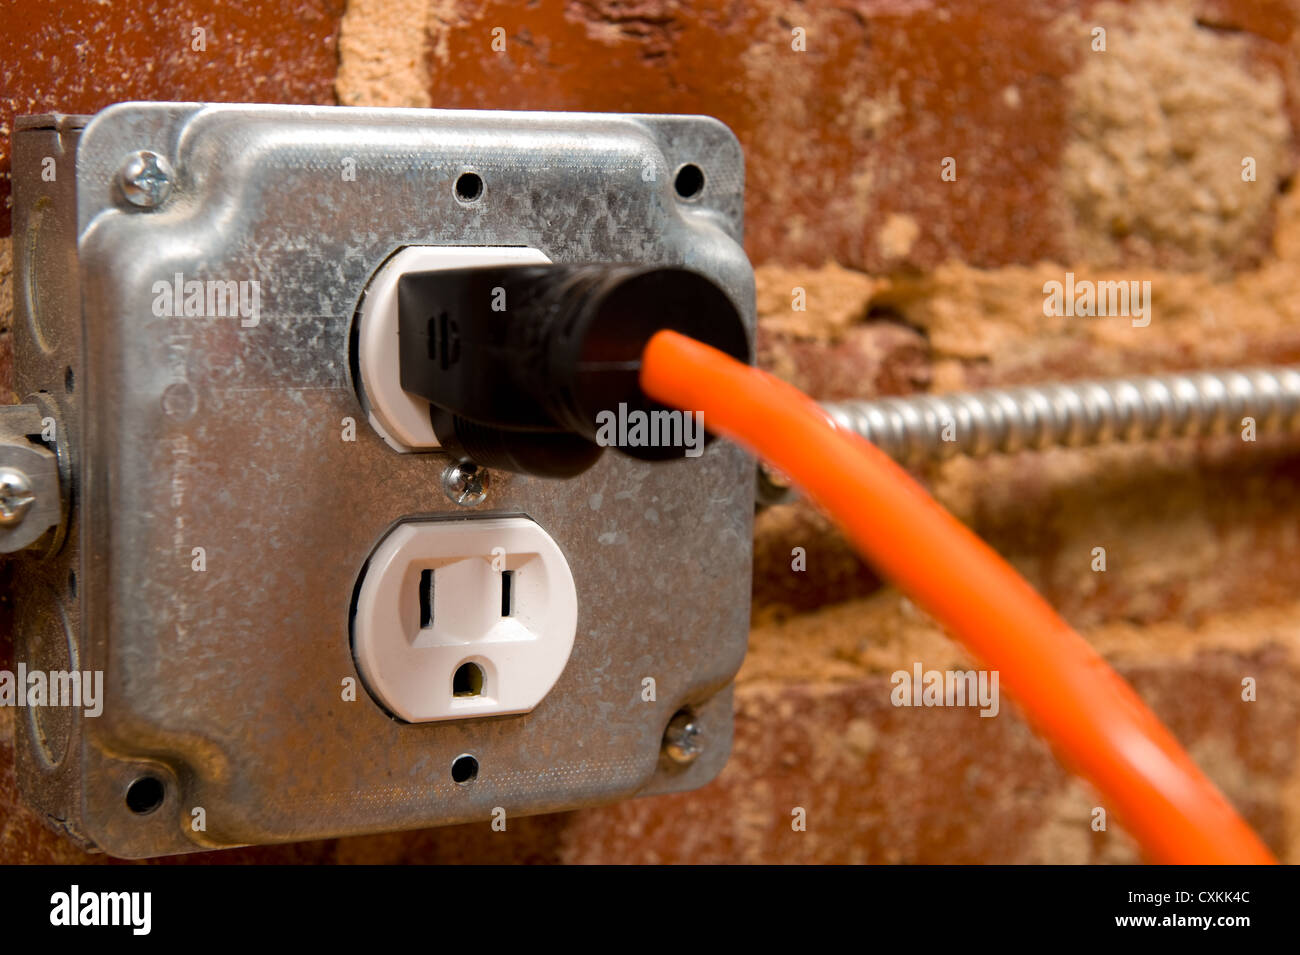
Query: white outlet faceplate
point(458, 619)
point(401, 418)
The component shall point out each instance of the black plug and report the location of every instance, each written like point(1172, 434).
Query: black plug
point(526, 367)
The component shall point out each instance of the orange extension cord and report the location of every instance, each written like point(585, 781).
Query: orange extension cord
point(1097, 725)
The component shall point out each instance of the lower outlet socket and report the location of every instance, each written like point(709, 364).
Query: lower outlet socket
point(458, 619)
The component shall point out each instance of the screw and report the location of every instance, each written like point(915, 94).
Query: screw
point(683, 739)
point(465, 483)
point(146, 179)
point(16, 496)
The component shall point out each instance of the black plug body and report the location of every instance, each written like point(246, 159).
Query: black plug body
point(524, 366)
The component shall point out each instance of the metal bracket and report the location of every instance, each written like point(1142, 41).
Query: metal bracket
point(31, 503)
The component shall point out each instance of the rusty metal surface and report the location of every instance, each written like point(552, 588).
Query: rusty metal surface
point(226, 684)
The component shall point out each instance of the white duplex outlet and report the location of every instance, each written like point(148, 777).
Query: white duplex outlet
point(464, 618)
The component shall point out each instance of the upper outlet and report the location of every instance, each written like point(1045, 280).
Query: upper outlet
point(399, 416)
point(469, 618)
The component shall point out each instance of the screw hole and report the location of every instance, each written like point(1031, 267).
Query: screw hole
point(690, 181)
point(464, 768)
point(69, 380)
point(145, 795)
point(468, 680)
point(469, 187)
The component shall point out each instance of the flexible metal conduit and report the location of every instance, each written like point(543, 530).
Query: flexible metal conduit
point(921, 428)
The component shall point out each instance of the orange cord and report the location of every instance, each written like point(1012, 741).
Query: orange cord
point(1097, 725)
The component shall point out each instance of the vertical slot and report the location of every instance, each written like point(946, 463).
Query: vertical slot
point(426, 599)
point(507, 593)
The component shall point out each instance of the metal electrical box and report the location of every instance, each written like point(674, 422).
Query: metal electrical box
point(221, 488)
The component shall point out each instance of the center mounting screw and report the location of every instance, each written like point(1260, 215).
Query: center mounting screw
point(465, 483)
point(146, 179)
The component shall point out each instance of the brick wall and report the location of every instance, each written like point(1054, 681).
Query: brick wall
point(1122, 163)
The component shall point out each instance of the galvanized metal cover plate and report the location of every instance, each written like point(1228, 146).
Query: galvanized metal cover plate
point(229, 683)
